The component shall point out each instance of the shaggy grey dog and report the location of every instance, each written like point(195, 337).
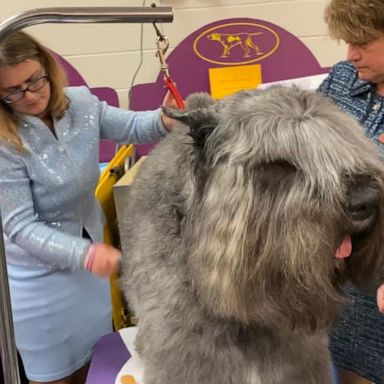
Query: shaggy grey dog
point(241, 228)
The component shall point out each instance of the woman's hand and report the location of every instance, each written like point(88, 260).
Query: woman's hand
point(102, 259)
point(170, 102)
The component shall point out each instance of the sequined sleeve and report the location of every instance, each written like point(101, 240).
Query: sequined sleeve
point(121, 125)
point(126, 126)
point(21, 225)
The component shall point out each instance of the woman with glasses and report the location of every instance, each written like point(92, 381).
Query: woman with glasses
point(52, 223)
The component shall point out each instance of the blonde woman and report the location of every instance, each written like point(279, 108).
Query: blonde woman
point(52, 223)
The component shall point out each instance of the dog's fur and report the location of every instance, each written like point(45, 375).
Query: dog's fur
point(230, 235)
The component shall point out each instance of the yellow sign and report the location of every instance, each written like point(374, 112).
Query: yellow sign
point(228, 80)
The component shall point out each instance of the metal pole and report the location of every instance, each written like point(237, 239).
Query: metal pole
point(86, 15)
point(9, 26)
point(7, 334)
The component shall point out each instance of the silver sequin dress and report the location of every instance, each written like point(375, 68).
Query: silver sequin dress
point(47, 197)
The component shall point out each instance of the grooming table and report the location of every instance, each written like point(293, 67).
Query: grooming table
point(114, 357)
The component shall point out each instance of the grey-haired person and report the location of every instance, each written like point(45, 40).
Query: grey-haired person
point(357, 87)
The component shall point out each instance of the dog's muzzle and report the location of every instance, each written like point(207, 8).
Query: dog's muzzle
point(363, 205)
point(362, 211)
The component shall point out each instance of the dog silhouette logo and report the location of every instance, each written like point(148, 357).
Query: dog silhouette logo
point(236, 43)
point(231, 40)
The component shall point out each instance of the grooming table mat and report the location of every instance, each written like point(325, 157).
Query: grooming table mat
point(114, 357)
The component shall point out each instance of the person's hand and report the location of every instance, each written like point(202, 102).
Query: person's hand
point(102, 259)
point(170, 102)
point(380, 298)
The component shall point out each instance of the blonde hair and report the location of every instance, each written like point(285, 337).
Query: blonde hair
point(355, 21)
point(15, 49)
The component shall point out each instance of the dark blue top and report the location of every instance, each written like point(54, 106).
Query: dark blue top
point(357, 341)
point(356, 97)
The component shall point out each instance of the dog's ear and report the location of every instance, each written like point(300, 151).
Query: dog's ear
point(201, 122)
point(200, 116)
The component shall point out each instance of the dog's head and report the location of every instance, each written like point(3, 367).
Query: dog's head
point(287, 205)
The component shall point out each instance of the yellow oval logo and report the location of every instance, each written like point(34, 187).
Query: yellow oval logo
point(236, 43)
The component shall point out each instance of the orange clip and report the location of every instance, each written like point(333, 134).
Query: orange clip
point(128, 379)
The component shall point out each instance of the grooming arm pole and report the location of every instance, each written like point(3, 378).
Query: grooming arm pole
point(7, 335)
point(9, 26)
point(85, 15)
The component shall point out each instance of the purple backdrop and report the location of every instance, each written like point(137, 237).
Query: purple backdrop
point(249, 41)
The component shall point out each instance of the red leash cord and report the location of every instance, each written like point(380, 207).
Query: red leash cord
point(175, 92)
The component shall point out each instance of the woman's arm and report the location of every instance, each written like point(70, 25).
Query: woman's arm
point(21, 224)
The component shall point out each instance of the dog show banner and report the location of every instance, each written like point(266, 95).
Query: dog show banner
point(230, 43)
point(215, 58)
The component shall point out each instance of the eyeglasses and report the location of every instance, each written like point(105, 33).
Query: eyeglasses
point(35, 86)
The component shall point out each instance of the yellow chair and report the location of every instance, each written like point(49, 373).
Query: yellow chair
point(104, 193)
